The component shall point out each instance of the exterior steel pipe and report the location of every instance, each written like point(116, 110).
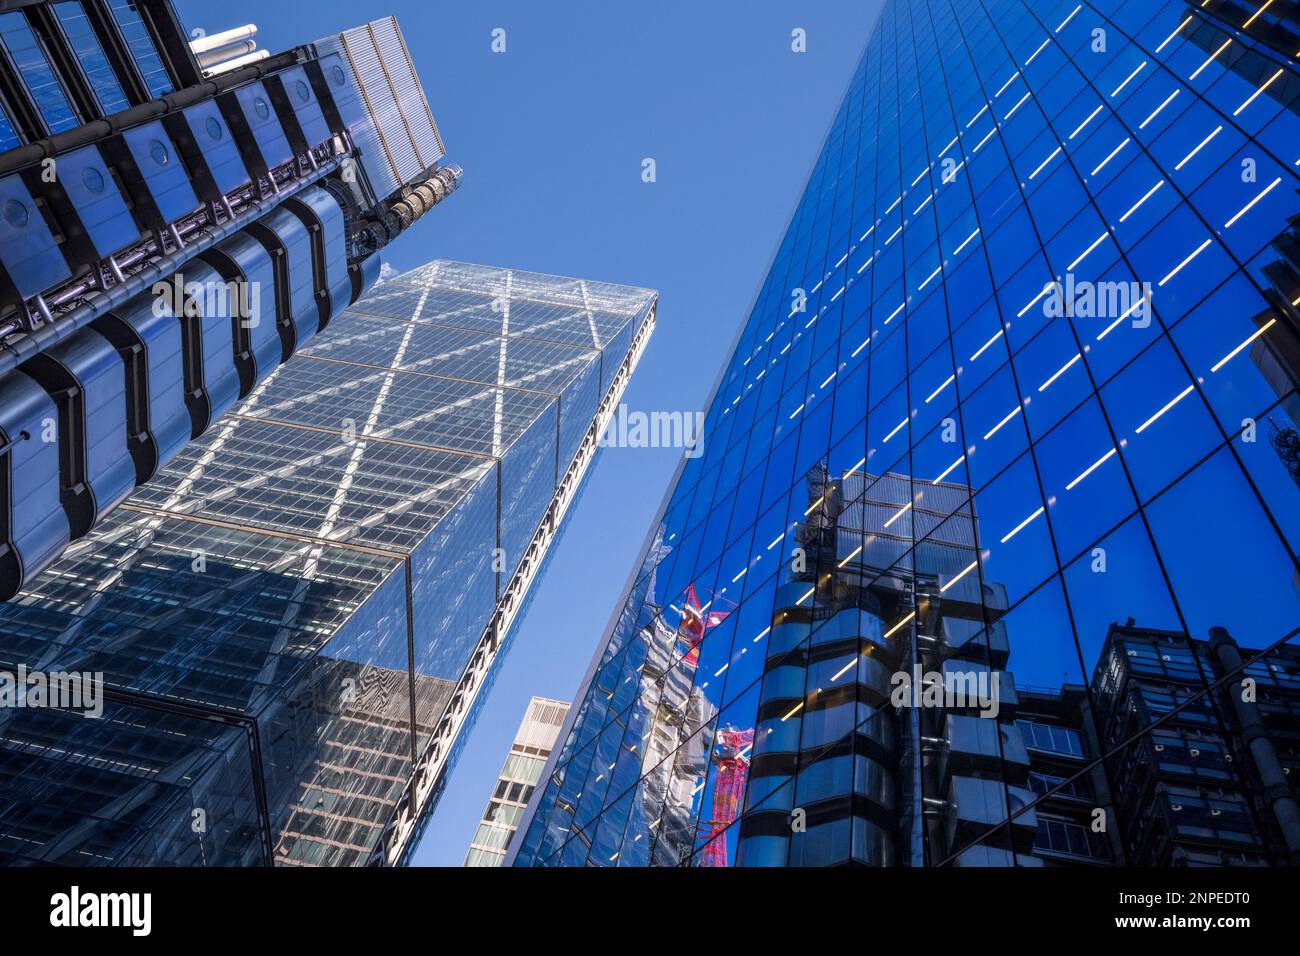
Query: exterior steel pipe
point(214, 41)
point(221, 68)
point(1277, 792)
point(225, 53)
point(417, 201)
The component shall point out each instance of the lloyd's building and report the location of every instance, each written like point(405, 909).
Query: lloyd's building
point(1017, 398)
point(286, 532)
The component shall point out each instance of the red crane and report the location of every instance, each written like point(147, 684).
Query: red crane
point(731, 754)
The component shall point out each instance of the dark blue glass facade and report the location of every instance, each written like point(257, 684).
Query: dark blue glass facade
point(1016, 403)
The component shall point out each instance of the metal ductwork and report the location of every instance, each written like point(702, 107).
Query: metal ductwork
point(410, 206)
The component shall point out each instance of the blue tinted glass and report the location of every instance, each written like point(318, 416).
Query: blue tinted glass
point(1018, 396)
point(141, 44)
point(37, 74)
point(81, 36)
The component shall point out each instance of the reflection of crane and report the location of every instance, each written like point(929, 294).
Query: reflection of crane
point(696, 622)
point(731, 753)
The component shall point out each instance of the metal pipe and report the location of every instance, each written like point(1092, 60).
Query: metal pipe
point(221, 54)
point(212, 41)
point(236, 63)
point(1277, 793)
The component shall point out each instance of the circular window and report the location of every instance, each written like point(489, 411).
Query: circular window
point(262, 110)
point(304, 94)
point(159, 152)
point(93, 179)
point(15, 213)
point(213, 127)
point(339, 76)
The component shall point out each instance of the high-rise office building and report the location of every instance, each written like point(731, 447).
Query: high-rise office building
point(294, 620)
point(173, 226)
point(514, 787)
point(1008, 382)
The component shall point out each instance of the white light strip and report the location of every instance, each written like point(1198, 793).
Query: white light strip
point(966, 241)
point(1186, 159)
point(896, 430)
point(1089, 470)
point(910, 615)
point(985, 139)
point(1078, 129)
point(961, 574)
point(1030, 304)
point(949, 470)
point(951, 379)
point(894, 313)
point(1150, 192)
point(1246, 208)
point(1033, 56)
point(1060, 371)
point(1223, 361)
point(981, 112)
point(1266, 5)
point(1068, 19)
point(986, 345)
point(1112, 155)
point(1156, 111)
point(1142, 66)
point(844, 670)
point(937, 270)
point(1251, 99)
point(1083, 255)
point(1179, 268)
point(797, 707)
point(1172, 402)
point(1006, 84)
point(898, 514)
point(1166, 40)
point(920, 174)
point(1020, 527)
point(850, 557)
point(1019, 103)
point(1010, 415)
point(1127, 312)
point(1053, 156)
point(1212, 57)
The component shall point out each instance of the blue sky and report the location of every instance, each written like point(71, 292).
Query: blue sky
point(552, 134)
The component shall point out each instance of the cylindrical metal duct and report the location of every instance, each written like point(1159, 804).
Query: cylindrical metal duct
point(211, 58)
point(214, 41)
point(236, 63)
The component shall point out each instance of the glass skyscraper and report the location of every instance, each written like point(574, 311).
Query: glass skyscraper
point(294, 620)
point(1014, 412)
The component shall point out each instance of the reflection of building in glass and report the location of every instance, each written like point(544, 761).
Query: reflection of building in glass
point(177, 219)
point(1212, 785)
point(294, 619)
point(902, 371)
point(514, 787)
